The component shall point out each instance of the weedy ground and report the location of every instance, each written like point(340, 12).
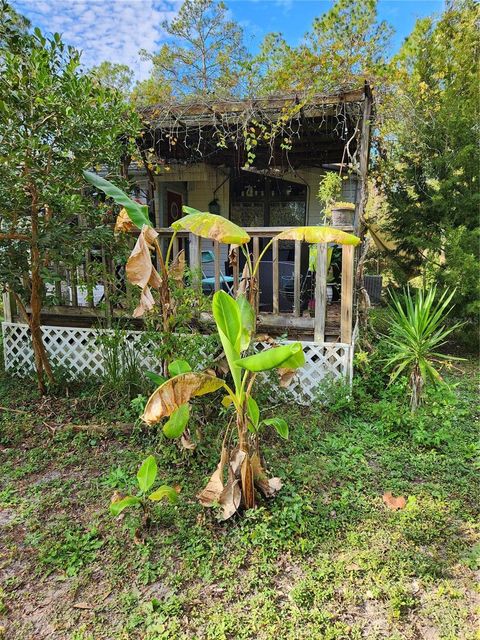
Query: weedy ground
point(325, 560)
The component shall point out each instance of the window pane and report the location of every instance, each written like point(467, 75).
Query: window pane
point(287, 214)
point(247, 214)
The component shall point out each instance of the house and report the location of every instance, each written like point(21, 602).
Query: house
point(259, 163)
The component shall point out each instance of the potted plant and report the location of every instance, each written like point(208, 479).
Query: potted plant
point(329, 192)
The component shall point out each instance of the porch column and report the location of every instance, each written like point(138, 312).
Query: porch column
point(320, 293)
point(346, 318)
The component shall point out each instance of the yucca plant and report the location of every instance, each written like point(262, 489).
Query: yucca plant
point(417, 331)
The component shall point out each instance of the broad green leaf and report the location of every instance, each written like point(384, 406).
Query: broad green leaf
point(211, 226)
point(138, 213)
point(229, 324)
point(147, 473)
point(177, 367)
point(319, 234)
point(274, 358)
point(156, 378)
point(118, 506)
point(164, 492)
point(177, 391)
point(280, 426)
point(175, 425)
point(296, 360)
point(253, 412)
point(227, 316)
point(247, 316)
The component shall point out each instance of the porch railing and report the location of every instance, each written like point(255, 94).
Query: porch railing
point(98, 297)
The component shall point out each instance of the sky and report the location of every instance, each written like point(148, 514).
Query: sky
point(116, 30)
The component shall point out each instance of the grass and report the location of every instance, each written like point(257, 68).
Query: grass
point(325, 560)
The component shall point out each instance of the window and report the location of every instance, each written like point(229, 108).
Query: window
point(259, 201)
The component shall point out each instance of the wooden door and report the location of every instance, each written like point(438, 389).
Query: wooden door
point(174, 207)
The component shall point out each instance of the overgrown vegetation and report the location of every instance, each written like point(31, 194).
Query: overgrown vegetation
point(327, 559)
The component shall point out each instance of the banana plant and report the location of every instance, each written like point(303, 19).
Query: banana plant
point(146, 476)
point(235, 321)
point(140, 270)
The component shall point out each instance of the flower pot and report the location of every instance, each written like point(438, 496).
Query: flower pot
point(343, 216)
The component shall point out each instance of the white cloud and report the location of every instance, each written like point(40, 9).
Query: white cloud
point(113, 30)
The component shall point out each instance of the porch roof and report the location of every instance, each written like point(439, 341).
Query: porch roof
point(290, 130)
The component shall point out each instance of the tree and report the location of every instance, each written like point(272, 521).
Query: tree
point(429, 150)
point(115, 76)
point(54, 122)
point(345, 46)
point(204, 55)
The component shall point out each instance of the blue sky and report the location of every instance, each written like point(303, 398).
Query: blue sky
point(116, 30)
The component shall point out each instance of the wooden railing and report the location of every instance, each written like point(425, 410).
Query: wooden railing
point(276, 310)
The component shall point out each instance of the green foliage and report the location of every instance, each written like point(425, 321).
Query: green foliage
point(203, 56)
point(138, 213)
point(72, 551)
point(146, 476)
point(329, 190)
point(345, 45)
point(417, 331)
point(428, 170)
point(115, 76)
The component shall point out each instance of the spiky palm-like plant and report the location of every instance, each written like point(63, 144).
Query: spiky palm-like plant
point(417, 331)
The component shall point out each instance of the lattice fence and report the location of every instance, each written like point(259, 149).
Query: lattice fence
point(80, 352)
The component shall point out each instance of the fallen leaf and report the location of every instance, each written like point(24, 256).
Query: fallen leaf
point(186, 443)
point(81, 605)
point(393, 503)
point(117, 496)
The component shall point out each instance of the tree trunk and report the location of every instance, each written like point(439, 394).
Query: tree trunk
point(42, 364)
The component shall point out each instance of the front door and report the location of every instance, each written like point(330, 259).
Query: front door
point(174, 207)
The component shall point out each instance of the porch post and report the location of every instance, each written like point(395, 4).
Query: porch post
point(348, 253)
point(320, 293)
point(195, 261)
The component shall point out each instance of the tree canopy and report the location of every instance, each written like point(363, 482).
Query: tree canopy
point(203, 55)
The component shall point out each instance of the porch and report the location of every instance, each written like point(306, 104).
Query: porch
point(300, 295)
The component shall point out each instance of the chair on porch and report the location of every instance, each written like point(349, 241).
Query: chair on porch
point(208, 282)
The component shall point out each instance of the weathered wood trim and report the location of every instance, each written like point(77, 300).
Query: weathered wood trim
point(297, 278)
point(320, 293)
point(216, 251)
point(346, 318)
point(275, 278)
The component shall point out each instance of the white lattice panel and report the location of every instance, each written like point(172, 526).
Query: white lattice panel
point(78, 350)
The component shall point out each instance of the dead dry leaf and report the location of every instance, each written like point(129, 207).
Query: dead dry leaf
point(236, 460)
point(393, 503)
point(81, 605)
point(177, 268)
point(186, 443)
point(177, 391)
point(268, 486)
point(123, 224)
point(230, 499)
point(286, 376)
point(141, 272)
point(248, 491)
point(215, 486)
